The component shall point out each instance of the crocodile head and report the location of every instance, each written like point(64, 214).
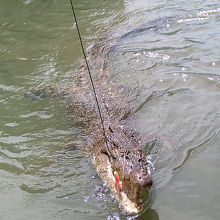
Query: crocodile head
point(127, 161)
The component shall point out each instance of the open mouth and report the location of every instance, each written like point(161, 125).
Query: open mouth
point(129, 194)
point(131, 190)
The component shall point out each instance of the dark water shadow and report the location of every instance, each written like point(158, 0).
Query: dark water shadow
point(149, 214)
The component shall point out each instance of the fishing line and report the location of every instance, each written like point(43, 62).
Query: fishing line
point(91, 80)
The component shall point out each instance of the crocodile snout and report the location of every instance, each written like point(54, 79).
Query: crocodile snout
point(142, 179)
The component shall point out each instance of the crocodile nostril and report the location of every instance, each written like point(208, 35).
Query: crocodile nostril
point(149, 181)
point(143, 179)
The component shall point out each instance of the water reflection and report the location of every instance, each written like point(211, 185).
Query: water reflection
point(149, 214)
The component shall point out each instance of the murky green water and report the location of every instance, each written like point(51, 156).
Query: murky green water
point(174, 79)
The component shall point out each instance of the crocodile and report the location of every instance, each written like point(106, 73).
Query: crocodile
point(117, 154)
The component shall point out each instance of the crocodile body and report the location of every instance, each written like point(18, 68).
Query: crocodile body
point(120, 149)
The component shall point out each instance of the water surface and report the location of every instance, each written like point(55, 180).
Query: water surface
point(172, 79)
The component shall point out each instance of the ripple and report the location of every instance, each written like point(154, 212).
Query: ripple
point(157, 94)
point(39, 114)
point(15, 139)
point(191, 150)
point(27, 2)
point(193, 20)
point(10, 88)
point(11, 168)
point(208, 12)
point(13, 124)
point(36, 188)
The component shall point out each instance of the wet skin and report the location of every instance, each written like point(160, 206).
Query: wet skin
point(119, 150)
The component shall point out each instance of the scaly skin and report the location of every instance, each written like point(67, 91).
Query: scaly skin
point(123, 153)
point(123, 157)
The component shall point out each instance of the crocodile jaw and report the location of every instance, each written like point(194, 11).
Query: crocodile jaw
point(104, 170)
